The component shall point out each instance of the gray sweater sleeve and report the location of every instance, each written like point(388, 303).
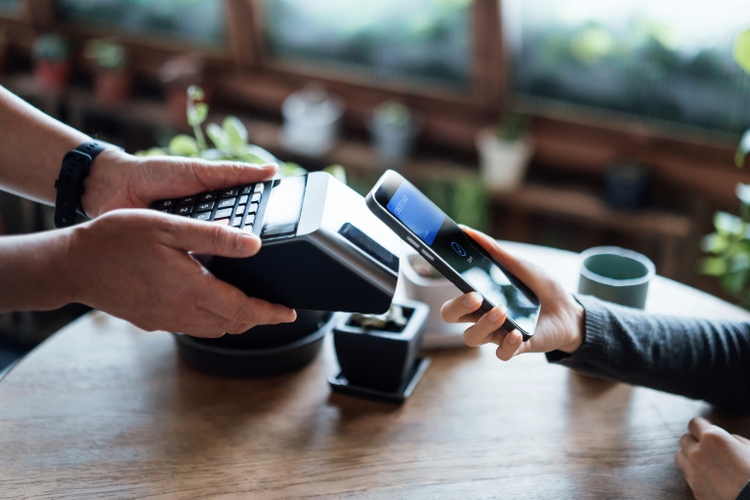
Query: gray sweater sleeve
point(700, 359)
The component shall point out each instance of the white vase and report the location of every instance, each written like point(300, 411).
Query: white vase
point(312, 119)
point(502, 164)
point(434, 292)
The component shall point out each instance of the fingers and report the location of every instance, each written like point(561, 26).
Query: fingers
point(682, 462)
point(209, 238)
point(462, 309)
point(216, 175)
point(511, 345)
point(698, 426)
point(688, 443)
point(483, 331)
point(240, 311)
point(530, 274)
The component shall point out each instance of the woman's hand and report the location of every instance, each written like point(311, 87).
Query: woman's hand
point(120, 180)
point(134, 264)
point(560, 325)
point(716, 464)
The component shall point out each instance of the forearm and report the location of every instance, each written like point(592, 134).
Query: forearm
point(699, 359)
point(33, 271)
point(32, 146)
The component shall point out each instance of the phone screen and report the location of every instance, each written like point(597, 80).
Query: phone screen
point(466, 257)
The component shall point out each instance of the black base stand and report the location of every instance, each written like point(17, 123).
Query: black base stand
point(340, 385)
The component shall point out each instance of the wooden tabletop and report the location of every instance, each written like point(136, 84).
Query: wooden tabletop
point(104, 410)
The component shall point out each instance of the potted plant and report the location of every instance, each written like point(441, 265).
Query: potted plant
point(380, 351)
point(112, 80)
point(504, 152)
point(52, 65)
point(729, 245)
point(312, 119)
point(393, 129)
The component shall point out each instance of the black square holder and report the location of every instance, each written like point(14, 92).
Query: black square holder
point(378, 354)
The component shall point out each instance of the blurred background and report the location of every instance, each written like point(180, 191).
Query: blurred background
point(568, 124)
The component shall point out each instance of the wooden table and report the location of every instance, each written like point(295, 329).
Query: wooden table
point(104, 410)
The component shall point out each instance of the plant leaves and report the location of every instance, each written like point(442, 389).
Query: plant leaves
point(291, 169)
point(742, 149)
point(728, 224)
point(714, 243)
point(218, 136)
point(197, 114)
point(235, 131)
point(712, 266)
point(196, 93)
point(742, 50)
point(733, 283)
point(214, 154)
point(183, 145)
point(152, 152)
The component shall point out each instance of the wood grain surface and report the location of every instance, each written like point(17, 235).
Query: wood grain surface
point(104, 410)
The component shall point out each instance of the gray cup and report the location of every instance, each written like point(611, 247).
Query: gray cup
point(616, 275)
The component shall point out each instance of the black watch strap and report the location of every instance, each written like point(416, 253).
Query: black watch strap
point(75, 168)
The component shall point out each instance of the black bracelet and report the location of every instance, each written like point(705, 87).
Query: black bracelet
point(75, 168)
point(745, 493)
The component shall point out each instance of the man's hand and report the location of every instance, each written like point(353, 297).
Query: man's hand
point(134, 264)
point(120, 180)
point(560, 325)
point(716, 464)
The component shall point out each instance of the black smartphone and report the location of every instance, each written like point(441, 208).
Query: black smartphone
point(419, 222)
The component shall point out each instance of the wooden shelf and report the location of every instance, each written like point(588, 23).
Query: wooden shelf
point(588, 208)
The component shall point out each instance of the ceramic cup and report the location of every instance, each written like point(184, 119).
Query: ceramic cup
point(616, 275)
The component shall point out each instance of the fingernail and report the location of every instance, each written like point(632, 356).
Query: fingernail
point(471, 300)
point(246, 242)
point(495, 315)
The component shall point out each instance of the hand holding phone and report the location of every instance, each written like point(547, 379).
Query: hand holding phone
point(425, 227)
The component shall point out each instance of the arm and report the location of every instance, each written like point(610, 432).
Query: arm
point(695, 358)
point(134, 264)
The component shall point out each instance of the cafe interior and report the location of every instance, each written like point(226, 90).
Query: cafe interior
point(546, 124)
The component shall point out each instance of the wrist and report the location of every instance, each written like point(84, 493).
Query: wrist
point(107, 180)
point(576, 320)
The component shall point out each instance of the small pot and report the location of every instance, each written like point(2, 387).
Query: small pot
point(627, 184)
point(262, 351)
point(52, 76)
point(112, 88)
point(379, 359)
point(393, 145)
point(312, 118)
point(503, 164)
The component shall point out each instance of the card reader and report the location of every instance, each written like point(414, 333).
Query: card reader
point(322, 247)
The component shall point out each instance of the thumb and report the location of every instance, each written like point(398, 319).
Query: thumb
point(209, 238)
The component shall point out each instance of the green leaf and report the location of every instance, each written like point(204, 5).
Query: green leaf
point(214, 154)
point(152, 152)
point(740, 262)
point(742, 150)
point(235, 131)
point(728, 224)
point(196, 93)
point(714, 243)
point(742, 50)
point(733, 283)
point(197, 114)
point(291, 169)
point(712, 266)
point(183, 145)
point(217, 136)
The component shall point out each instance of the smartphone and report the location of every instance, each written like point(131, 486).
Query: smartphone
point(419, 222)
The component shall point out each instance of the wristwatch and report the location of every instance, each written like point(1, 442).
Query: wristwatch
point(76, 165)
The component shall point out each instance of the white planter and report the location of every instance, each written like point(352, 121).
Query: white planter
point(433, 292)
point(312, 119)
point(502, 164)
point(393, 145)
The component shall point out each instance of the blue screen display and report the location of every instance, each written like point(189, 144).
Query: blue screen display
point(416, 212)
